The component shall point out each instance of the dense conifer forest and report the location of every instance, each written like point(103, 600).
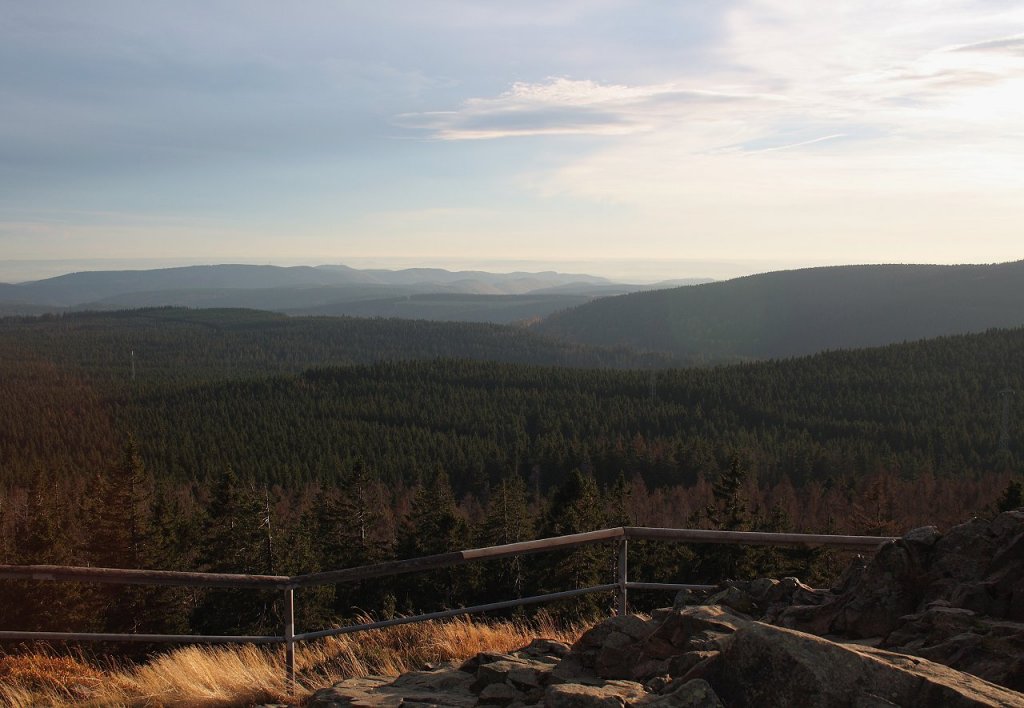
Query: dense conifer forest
point(247, 442)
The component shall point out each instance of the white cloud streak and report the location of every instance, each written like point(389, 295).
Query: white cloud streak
point(563, 106)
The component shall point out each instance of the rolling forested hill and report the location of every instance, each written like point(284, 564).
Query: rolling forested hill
point(217, 389)
point(793, 313)
point(178, 344)
point(227, 452)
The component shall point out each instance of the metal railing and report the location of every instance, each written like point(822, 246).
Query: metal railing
point(288, 584)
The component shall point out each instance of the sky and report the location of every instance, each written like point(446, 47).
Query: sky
point(637, 139)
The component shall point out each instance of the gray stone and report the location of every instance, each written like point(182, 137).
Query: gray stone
point(657, 684)
point(694, 628)
point(685, 598)
point(571, 670)
point(526, 677)
point(498, 694)
point(684, 663)
point(736, 599)
point(495, 672)
point(924, 535)
point(612, 647)
point(1007, 525)
point(851, 575)
point(985, 647)
point(544, 648)
point(696, 693)
point(568, 695)
point(446, 686)
point(471, 665)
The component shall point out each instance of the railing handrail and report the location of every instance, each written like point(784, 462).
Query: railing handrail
point(447, 560)
point(172, 578)
point(288, 583)
point(755, 538)
point(133, 576)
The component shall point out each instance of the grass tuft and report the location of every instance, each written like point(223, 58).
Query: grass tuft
point(214, 677)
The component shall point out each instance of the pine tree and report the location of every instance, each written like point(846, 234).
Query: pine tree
point(119, 509)
point(618, 502)
point(351, 534)
point(171, 546)
point(507, 520)
point(727, 512)
point(873, 512)
point(576, 507)
point(41, 529)
point(350, 521)
point(436, 526)
point(237, 539)
point(1012, 498)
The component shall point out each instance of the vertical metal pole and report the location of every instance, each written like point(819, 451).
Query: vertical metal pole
point(621, 576)
point(289, 637)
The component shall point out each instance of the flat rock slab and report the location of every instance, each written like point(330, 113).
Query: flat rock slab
point(766, 665)
point(446, 686)
point(614, 694)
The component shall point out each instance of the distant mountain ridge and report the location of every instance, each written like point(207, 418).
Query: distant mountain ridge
point(330, 289)
point(87, 286)
point(798, 312)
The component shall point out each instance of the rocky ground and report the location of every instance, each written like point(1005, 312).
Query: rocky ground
point(932, 620)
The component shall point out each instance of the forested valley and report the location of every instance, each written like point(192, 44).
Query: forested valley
point(238, 441)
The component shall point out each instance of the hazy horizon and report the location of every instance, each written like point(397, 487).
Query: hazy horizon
point(634, 271)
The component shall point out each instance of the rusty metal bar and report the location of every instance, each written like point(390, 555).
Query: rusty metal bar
point(756, 538)
point(668, 586)
point(149, 638)
point(125, 576)
point(289, 637)
point(446, 560)
point(622, 577)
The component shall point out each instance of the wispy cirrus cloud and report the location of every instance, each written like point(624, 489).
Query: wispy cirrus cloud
point(563, 106)
point(1010, 45)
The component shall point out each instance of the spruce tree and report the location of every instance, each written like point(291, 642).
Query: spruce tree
point(507, 520)
point(1012, 498)
point(42, 533)
point(119, 512)
point(435, 526)
point(575, 507)
point(236, 538)
point(727, 512)
point(349, 523)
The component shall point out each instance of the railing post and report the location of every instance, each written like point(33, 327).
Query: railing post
point(289, 637)
point(621, 576)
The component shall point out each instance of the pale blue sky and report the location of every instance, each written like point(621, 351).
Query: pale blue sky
point(653, 137)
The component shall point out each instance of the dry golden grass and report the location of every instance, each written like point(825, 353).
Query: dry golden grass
point(245, 675)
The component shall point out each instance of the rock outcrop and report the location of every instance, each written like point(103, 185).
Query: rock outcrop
point(700, 656)
point(955, 598)
point(932, 620)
